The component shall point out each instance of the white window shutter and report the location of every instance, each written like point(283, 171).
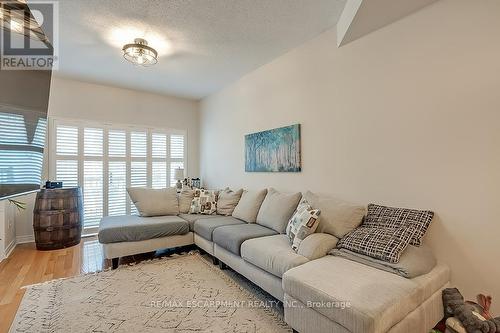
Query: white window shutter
point(92, 139)
point(138, 144)
point(92, 193)
point(105, 160)
point(177, 146)
point(67, 140)
point(159, 177)
point(117, 143)
point(117, 190)
point(159, 145)
point(138, 178)
point(67, 172)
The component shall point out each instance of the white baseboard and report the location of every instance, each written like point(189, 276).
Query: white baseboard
point(25, 239)
point(10, 248)
point(19, 240)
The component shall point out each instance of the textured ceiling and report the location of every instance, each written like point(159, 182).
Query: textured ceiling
point(203, 44)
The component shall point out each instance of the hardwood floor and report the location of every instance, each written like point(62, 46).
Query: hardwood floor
point(26, 266)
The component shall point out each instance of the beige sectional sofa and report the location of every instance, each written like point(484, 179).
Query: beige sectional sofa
point(320, 292)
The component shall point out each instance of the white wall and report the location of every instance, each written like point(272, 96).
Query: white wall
point(88, 101)
point(406, 116)
point(94, 102)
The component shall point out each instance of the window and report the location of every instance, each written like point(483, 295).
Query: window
point(104, 160)
point(22, 139)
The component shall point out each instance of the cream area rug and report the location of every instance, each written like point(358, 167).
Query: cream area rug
point(183, 293)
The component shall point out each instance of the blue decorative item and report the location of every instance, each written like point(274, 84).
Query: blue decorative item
point(276, 150)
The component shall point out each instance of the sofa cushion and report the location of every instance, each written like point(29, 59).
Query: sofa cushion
point(154, 202)
point(276, 209)
point(131, 228)
point(395, 218)
point(205, 227)
point(192, 218)
point(376, 300)
point(272, 254)
point(185, 198)
point(317, 245)
point(227, 201)
point(337, 217)
point(232, 236)
point(248, 206)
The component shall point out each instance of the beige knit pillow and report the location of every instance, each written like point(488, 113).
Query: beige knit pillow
point(154, 202)
point(185, 198)
point(249, 205)
point(227, 201)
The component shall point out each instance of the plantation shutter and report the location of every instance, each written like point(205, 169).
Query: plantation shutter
point(176, 156)
point(104, 160)
point(67, 172)
point(117, 172)
point(67, 155)
point(117, 192)
point(138, 165)
point(93, 176)
point(159, 157)
point(92, 193)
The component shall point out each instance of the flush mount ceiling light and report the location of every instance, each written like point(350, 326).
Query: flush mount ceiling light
point(139, 53)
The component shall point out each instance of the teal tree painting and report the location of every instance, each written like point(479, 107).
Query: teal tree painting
point(276, 150)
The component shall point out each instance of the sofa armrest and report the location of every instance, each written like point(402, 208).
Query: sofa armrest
point(317, 245)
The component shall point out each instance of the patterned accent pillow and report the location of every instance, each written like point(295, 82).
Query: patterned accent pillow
point(303, 223)
point(394, 218)
point(379, 243)
point(204, 202)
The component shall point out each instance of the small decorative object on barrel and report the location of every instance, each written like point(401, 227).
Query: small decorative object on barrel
point(57, 218)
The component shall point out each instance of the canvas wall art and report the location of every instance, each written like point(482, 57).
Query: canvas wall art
point(276, 150)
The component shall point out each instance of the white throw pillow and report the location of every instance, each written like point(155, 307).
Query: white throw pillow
point(204, 202)
point(154, 202)
point(302, 224)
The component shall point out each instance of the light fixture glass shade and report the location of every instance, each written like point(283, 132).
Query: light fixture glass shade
point(139, 53)
point(179, 174)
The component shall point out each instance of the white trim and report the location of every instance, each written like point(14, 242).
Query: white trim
point(25, 239)
point(105, 170)
point(113, 125)
point(10, 248)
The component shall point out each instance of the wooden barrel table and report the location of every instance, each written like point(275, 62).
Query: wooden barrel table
point(57, 218)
